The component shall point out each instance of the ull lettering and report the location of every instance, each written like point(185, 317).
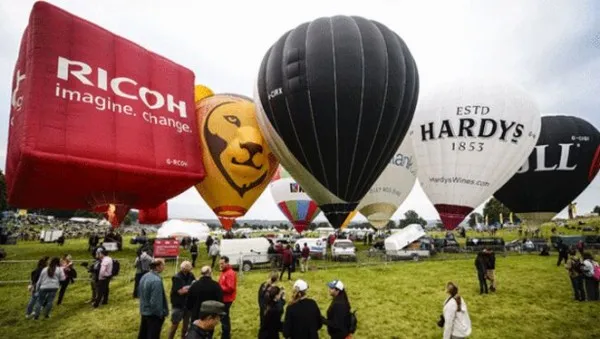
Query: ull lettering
point(540, 163)
point(151, 98)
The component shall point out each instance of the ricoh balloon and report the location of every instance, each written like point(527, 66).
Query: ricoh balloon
point(96, 120)
point(469, 138)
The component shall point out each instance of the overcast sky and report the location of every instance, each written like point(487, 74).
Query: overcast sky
point(552, 48)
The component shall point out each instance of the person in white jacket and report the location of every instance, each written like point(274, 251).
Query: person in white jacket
point(457, 323)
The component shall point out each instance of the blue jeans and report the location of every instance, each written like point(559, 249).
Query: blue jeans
point(32, 301)
point(45, 299)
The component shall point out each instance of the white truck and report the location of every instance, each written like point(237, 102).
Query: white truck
point(245, 252)
point(405, 244)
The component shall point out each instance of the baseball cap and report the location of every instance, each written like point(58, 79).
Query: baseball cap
point(212, 307)
point(301, 285)
point(338, 284)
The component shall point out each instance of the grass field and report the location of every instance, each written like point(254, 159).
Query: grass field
point(400, 300)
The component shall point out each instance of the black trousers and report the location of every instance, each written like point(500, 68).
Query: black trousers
point(578, 291)
point(591, 289)
point(214, 257)
point(483, 287)
point(150, 327)
point(61, 292)
point(94, 285)
point(102, 291)
point(226, 323)
point(138, 277)
point(194, 257)
point(561, 256)
point(287, 267)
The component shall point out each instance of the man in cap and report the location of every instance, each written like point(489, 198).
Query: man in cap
point(210, 315)
point(202, 290)
point(338, 320)
point(302, 316)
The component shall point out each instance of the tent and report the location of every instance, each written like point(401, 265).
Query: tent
point(183, 228)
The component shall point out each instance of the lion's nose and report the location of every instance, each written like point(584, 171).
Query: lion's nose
point(252, 147)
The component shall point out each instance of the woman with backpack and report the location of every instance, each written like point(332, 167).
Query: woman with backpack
point(591, 272)
point(455, 319)
point(574, 267)
point(338, 313)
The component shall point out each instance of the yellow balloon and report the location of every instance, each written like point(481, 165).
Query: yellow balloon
point(237, 159)
point(348, 219)
point(201, 92)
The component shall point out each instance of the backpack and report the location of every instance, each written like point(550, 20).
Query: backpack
point(577, 266)
point(596, 272)
point(353, 322)
point(116, 267)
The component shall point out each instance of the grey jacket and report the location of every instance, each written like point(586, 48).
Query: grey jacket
point(152, 296)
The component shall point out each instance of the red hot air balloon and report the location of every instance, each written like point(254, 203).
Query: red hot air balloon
point(153, 216)
point(97, 120)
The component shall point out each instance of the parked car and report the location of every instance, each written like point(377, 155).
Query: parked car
point(343, 249)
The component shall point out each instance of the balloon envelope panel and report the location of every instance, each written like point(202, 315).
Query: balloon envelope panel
point(470, 137)
point(391, 188)
point(335, 98)
point(563, 163)
point(91, 123)
point(155, 215)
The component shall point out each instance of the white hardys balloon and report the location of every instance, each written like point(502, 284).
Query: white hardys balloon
point(469, 139)
point(391, 188)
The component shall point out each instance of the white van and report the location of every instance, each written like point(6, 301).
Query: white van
point(405, 244)
point(245, 252)
point(318, 246)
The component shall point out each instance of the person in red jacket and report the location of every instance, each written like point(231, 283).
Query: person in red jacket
point(288, 259)
point(228, 283)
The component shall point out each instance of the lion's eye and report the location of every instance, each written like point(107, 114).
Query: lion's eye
point(233, 119)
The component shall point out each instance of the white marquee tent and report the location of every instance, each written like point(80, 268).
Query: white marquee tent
point(184, 228)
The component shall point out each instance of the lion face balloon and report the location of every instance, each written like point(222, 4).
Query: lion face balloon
point(238, 162)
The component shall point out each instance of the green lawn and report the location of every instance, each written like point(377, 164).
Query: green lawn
point(400, 300)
